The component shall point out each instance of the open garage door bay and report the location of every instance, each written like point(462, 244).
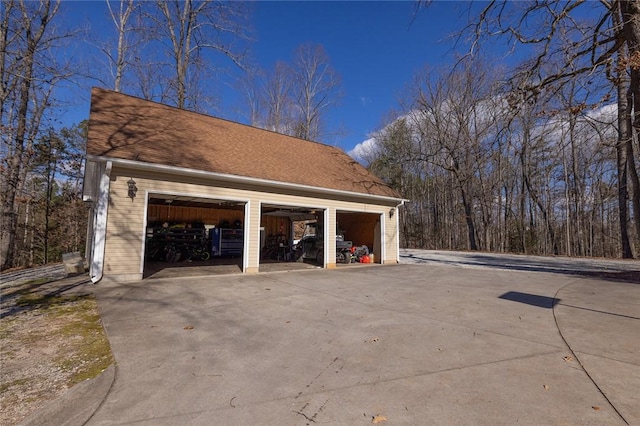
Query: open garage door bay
point(188, 232)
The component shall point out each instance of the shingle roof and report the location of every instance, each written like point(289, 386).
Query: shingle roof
point(130, 128)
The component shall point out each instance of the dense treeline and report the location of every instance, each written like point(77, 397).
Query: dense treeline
point(484, 173)
point(52, 219)
point(540, 159)
point(167, 51)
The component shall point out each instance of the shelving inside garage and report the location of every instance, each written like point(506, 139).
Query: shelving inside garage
point(212, 214)
point(188, 223)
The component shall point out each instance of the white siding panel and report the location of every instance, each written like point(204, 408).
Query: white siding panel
point(330, 235)
point(253, 236)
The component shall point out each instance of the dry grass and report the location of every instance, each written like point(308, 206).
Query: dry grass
point(47, 345)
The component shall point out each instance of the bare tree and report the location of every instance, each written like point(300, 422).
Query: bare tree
point(277, 99)
point(191, 31)
point(487, 166)
point(316, 88)
point(456, 124)
point(624, 138)
point(120, 58)
point(250, 88)
point(609, 46)
point(29, 73)
point(625, 17)
point(294, 99)
point(268, 98)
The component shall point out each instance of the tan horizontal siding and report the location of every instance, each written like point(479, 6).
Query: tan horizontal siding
point(125, 226)
point(253, 238)
point(126, 218)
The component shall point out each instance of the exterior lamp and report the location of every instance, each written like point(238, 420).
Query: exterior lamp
point(132, 189)
point(392, 212)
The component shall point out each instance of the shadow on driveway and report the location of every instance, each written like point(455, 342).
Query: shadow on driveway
point(530, 299)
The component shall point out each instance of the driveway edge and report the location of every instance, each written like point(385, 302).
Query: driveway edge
point(77, 405)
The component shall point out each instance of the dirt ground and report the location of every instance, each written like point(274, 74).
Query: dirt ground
point(51, 338)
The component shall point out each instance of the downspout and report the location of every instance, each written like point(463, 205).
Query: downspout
point(91, 216)
point(100, 230)
point(398, 229)
point(245, 238)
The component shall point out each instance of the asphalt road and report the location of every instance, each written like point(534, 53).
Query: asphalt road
point(525, 263)
point(54, 272)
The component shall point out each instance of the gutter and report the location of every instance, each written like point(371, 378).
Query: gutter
point(100, 234)
point(238, 179)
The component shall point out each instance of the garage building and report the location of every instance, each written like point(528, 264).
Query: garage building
point(157, 177)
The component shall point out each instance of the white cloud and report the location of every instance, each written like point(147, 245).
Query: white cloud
point(554, 130)
point(364, 150)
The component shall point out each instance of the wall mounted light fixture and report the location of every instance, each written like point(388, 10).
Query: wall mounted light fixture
point(133, 189)
point(392, 212)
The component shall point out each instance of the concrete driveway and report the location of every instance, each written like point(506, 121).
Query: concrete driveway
point(403, 344)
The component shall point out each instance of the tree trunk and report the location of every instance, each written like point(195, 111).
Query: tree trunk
point(635, 198)
point(9, 214)
point(630, 10)
point(471, 229)
point(624, 136)
point(631, 20)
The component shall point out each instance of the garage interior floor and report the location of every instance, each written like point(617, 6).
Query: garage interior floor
point(221, 266)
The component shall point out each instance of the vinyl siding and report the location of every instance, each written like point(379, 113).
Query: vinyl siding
point(125, 229)
point(126, 219)
point(252, 243)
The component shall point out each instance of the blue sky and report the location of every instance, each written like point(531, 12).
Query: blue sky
point(374, 46)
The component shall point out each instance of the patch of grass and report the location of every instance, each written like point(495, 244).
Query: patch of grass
point(34, 299)
point(19, 382)
point(37, 281)
point(5, 326)
point(73, 327)
point(25, 288)
point(30, 299)
point(93, 353)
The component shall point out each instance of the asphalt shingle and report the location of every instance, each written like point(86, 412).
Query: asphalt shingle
point(130, 128)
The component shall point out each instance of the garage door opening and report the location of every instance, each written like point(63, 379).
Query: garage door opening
point(361, 238)
point(291, 238)
point(193, 236)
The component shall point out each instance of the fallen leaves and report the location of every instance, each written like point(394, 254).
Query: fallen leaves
point(595, 407)
point(188, 327)
point(568, 358)
point(373, 340)
point(378, 419)
point(546, 387)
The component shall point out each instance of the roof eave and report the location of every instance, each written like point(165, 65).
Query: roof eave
point(139, 165)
